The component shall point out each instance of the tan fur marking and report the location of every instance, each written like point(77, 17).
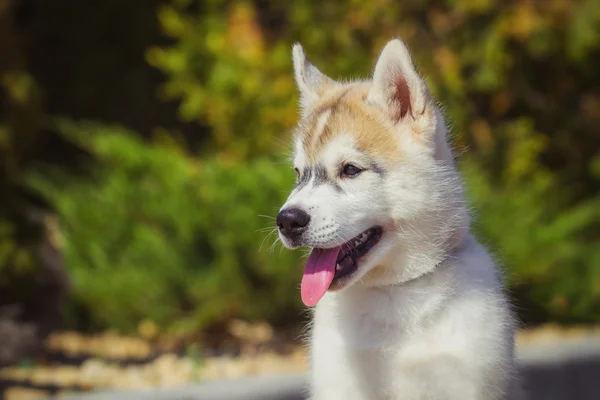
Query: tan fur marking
point(349, 114)
point(311, 132)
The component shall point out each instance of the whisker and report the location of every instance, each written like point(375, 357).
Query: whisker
point(267, 229)
point(305, 254)
point(272, 247)
point(266, 238)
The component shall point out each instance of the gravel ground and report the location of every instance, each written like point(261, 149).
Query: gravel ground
point(103, 369)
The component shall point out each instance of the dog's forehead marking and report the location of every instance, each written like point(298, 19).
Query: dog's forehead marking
point(322, 120)
point(341, 145)
point(345, 112)
point(299, 156)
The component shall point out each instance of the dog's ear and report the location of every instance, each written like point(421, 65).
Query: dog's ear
point(311, 82)
point(397, 86)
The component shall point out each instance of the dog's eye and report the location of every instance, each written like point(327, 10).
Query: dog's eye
point(350, 170)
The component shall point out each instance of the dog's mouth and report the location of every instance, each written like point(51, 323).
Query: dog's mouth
point(329, 268)
point(352, 251)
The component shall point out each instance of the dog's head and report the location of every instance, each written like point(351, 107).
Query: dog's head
point(377, 195)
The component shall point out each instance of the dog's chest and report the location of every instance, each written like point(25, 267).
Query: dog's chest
point(365, 327)
point(357, 346)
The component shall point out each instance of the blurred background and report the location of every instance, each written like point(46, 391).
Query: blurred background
point(143, 150)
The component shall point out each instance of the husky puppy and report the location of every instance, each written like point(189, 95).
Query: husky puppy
point(408, 304)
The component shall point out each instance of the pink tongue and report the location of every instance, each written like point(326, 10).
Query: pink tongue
point(318, 274)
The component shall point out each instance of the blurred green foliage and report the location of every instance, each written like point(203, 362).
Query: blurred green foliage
point(160, 235)
point(163, 232)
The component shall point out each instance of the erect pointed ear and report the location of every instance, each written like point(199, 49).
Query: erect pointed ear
point(397, 87)
point(311, 82)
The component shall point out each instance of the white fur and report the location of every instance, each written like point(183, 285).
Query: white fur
point(425, 316)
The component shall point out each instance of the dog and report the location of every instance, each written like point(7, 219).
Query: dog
point(409, 305)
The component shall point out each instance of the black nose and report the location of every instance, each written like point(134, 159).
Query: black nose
point(292, 222)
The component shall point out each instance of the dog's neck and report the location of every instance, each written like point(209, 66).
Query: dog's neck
point(424, 293)
point(402, 266)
